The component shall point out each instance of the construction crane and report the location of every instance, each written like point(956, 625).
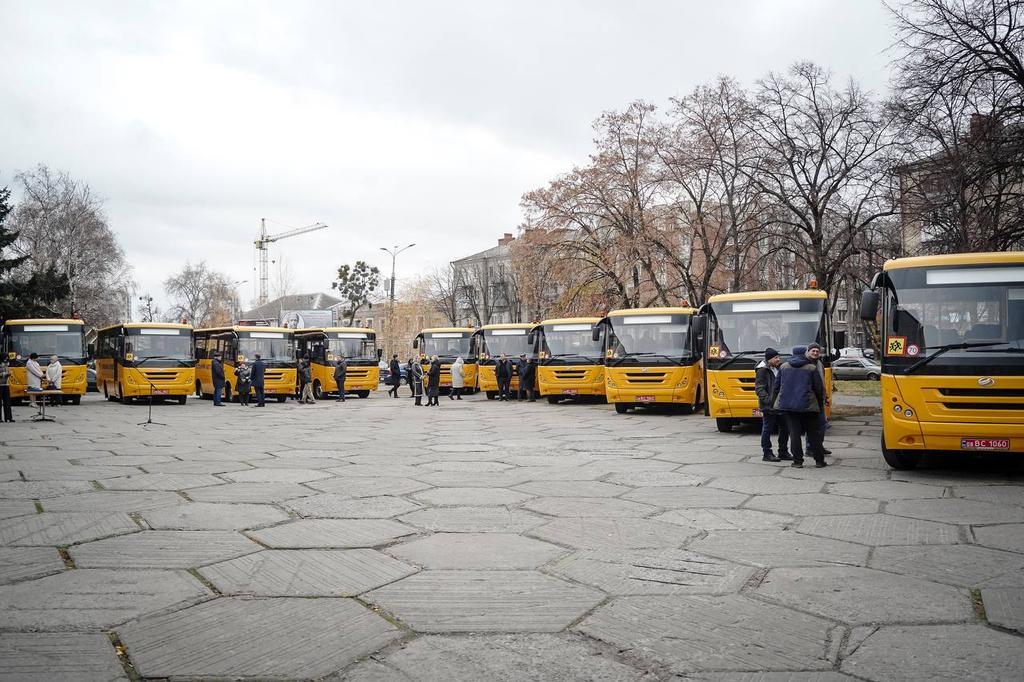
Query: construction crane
point(264, 240)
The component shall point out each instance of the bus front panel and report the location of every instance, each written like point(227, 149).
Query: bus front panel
point(570, 362)
point(651, 359)
point(66, 341)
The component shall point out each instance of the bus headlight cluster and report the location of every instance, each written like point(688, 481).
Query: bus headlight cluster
point(715, 392)
point(683, 383)
point(906, 412)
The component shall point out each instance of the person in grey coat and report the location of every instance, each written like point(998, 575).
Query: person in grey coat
point(416, 373)
point(340, 370)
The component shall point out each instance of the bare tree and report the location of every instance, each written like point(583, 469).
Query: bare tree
point(200, 295)
point(61, 226)
point(283, 279)
point(439, 291)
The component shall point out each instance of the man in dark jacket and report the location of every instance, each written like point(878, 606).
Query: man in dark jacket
point(396, 375)
point(814, 351)
point(258, 376)
point(340, 370)
point(527, 372)
point(503, 375)
point(217, 368)
point(433, 381)
point(801, 393)
point(306, 396)
point(766, 386)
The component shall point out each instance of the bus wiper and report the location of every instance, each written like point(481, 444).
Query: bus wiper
point(571, 355)
point(651, 355)
point(939, 350)
point(141, 361)
point(736, 356)
point(1014, 349)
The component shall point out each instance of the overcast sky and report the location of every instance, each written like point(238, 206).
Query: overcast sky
point(391, 122)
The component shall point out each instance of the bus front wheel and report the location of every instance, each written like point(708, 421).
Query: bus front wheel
point(621, 408)
point(76, 400)
point(281, 398)
point(724, 425)
point(553, 399)
point(182, 399)
point(900, 459)
point(363, 394)
point(491, 395)
point(125, 400)
point(318, 390)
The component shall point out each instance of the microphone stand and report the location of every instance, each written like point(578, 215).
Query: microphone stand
point(149, 419)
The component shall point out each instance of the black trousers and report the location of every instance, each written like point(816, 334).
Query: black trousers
point(243, 395)
point(5, 398)
point(526, 391)
point(801, 423)
point(505, 388)
point(259, 394)
point(341, 391)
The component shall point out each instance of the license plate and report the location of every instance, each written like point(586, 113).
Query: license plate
point(984, 444)
point(757, 413)
point(645, 398)
point(570, 391)
point(160, 391)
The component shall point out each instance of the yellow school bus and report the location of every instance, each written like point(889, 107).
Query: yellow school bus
point(651, 357)
point(494, 340)
point(739, 327)
point(276, 345)
point(46, 338)
point(570, 361)
point(447, 343)
point(326, 346)
point(951, 331)
point(143, 359)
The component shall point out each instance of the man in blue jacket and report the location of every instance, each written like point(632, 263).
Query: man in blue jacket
point(766, 386)
point(801, 395)
point(217, 371)
point(259, 371)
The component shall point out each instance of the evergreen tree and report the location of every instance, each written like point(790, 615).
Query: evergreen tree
point(39, 294)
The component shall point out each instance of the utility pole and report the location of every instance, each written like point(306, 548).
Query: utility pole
point(394, 251)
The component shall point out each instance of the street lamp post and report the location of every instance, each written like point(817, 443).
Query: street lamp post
point(394, 251)
point(235, 302)
point(148, 300)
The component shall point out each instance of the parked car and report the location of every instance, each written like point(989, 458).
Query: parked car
point(385, 376)
point(852, 352)
point(90, 378)
point(856, 368)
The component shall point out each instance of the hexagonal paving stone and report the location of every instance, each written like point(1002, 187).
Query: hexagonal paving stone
point(330, 505)
point(720, 633)
point(12, 508)
point(306, 572)
point(655, 479)
point(277, 475)
point(836, 473)
point(250, 492)
point(960, 476)
point(101, 598)
point(862, 595)
point(30, 490)
point(572, 489)
point(720, 469)
point(45, 656)
point(998, 494)
point(669, 497)
point(812, 503)
point(937, 652)
point(658, 571)
point(495, 657)
point(887, 490)
point(963, 565)
point(484, 497)
point(476, 551)
point(485, 601)
point(111, 501)
point(376, 471)
point(1004, 606)
point(767, 485)
point(726, 519)
point(455, 465)
point(63, 528)
point(455, 479)
point(880, 529)
point(213, 516)
point(588, 507)
point(599, 533)
point(21, 563)
point(161, 482)
point(779, 548)
point(475, 520)
point(163, 549)
point(957, 511)
point(1009, 536)
point(328, 533)
point(238, 637)
point(368, 487)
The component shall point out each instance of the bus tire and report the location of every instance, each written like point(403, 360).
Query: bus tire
point(125, 400)
point(318, 390)
point(724, 425)
point(281, 398)
point(622, 408)
point(363, 394)
point(553, 399)
point(182, 399)
point(900, 459)
point(491, 395)
point(76, 400)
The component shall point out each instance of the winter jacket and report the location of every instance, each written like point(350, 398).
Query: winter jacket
point(340, 370)
point(800, 386)
point(54, 373)
point(503, 369)
point(766, 386)
point(527, 371)
point(305, 376)
point(396, 373)
point(34, 375)
point(434, 379)
point(217, 368)
point(416, 377)
point(243, 376)
point(259, 369)
point(458, 378)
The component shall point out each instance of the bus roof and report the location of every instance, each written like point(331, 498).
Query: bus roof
point(332, 330)
point(514, 325)
point(147, 325)
point(768, 295)
point(572, 320)
point(468, 330)
point(626, 312)
point(991, 258)
point(44, 321)
point(246, 329)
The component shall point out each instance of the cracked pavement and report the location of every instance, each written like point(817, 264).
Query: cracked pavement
point(374, 540)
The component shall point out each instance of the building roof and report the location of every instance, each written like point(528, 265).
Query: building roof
point(272, 309)
point(499, 251)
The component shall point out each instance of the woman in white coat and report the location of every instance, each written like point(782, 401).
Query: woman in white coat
point(458, 379)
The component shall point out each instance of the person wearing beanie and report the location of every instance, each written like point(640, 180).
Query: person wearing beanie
point(814, 351)
point(801, 393)
point(766, 386)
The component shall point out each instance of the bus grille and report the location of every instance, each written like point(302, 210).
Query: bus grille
point(645, 378)
point(157, 376)
point(357, 373)
point(570, 374)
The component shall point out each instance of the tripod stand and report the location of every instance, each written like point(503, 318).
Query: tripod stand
point(149, 418)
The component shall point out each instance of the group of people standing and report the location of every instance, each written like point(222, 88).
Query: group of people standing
point(248, 379)
point(427, 379)
point(791, 398)
point(505, 369)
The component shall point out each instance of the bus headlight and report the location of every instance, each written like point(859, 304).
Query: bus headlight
point(897, 409)
point(683, 383)
point(908, 412)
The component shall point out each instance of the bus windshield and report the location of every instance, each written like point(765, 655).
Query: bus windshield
point(64, 341)
point(511, 342)
point(753, 326)
point(931, 308)
point(271, 346)
point(353, 345)
point(162, 343)
point(446, 344)
point(650, 335)
point(571, 339)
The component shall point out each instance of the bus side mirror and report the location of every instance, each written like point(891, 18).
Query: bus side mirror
point(869, 305)
point(415, 344)
point(699, 324)
point(595, 333)
point(91, 350)
point(531, 338)
point(380, 352)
